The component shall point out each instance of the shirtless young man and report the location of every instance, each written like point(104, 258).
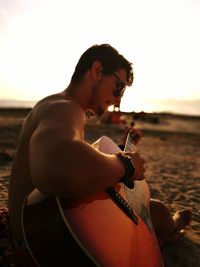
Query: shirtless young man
point(52, 155)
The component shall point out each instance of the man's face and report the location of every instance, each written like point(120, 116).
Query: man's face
point(108, 91)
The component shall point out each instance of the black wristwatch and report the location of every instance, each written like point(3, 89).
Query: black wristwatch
point(129, 170)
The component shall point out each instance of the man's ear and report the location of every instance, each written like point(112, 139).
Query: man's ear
point(96, 70)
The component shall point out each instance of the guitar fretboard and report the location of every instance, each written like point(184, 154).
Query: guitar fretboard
point(129, 145)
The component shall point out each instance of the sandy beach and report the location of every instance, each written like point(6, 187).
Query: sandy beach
point(171, 149)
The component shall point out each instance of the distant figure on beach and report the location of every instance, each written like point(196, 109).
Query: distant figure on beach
point(53, 157)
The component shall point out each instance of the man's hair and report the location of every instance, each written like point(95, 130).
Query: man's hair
point(110, 59)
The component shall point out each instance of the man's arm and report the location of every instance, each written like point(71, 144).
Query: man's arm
point(61, 163)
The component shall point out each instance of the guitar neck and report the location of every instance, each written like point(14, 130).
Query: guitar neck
point(129, 145)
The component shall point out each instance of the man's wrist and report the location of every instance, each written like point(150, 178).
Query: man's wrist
point(129, 170)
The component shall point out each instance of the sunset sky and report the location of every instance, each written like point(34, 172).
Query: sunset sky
point(42, 40)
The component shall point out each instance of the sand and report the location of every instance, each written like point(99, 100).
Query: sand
point(171, 149)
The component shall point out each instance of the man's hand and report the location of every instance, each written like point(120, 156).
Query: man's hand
point(135, 134)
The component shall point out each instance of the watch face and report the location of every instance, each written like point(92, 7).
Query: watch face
point(130, 165)
point(129, 157)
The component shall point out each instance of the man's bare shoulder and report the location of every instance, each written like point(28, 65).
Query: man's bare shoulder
point(60, 109)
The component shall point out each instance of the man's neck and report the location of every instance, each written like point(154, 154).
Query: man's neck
point(79, 94)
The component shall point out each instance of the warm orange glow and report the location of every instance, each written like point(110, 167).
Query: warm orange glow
point(38, 56)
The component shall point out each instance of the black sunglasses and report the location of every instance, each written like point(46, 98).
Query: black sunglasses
point(120, 86)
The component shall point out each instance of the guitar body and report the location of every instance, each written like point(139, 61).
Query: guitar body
point(94, 231)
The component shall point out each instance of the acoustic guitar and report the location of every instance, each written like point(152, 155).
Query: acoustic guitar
point(112, 228)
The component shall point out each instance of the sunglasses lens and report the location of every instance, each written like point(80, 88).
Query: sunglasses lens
point(120, 86)
point(119, 91)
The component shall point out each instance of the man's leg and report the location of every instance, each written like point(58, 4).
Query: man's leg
point(168, 227)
